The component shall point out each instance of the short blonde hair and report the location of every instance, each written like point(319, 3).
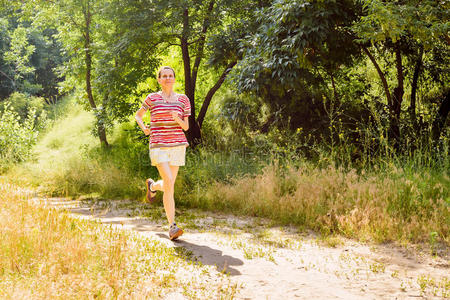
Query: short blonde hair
point(165, 68)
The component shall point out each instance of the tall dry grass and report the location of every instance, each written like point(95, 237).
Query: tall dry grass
point(66, 162)
point(390, 197)
point(46, 254)
point(382, 206)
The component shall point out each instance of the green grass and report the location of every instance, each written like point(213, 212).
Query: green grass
point(399, 198)
point(46, 253)
point(382, 207)
point(68, 161)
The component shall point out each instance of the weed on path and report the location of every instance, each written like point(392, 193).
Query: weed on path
point(266, 261)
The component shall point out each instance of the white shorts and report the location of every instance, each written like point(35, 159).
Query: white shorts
point(175, 156)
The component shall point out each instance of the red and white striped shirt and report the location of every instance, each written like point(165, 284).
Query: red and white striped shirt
point(164, 130)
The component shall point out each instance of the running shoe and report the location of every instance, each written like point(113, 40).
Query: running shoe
point(175, 232)
point(151, 195)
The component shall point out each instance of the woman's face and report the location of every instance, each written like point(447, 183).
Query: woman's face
point(166, 78)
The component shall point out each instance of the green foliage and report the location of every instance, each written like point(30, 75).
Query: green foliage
point(293, 36)
point(424, 21)
point(16, 137)
point(239, 113)
point(19, 54)
point(146, 32)
point(298, 63)
point(305, 63)
point(28, 56)
point(77, 23)
point(22, 118)
point(23, 105)
point(68, 161)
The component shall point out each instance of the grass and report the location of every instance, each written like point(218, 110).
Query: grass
point(402, 199)
point(67, 161)
point(45, 253)
point(386, 206)
point(111, 263)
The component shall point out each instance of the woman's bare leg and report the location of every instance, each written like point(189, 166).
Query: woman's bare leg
point(168, 174)
point(159, 185)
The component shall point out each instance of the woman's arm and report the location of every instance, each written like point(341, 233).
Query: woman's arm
point(184, 124)
point(139, 115)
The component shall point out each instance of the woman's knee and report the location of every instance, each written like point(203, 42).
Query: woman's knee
point(168, 182)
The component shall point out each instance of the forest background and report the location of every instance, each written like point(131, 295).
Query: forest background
point(330, 115)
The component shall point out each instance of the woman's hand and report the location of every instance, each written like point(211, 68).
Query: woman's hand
point(139, 114)
point(175, 115)
point(146, 130)
point(184, 124)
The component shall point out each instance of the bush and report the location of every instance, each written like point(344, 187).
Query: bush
point(24, 105)
point(16, 138)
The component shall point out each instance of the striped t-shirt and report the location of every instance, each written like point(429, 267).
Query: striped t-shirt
point(164, 130)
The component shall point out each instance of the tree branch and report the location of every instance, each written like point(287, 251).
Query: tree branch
point(415, 79)
point(380, 73)
point(202, 41)
point(12, 80)
point(189, 88)
point(74, 22)
point(212, 91)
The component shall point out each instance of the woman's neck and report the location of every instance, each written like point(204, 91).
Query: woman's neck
point(167, 91)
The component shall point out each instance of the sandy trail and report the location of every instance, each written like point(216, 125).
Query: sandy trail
point(277, 263)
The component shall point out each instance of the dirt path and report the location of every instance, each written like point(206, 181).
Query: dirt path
point(277, 263)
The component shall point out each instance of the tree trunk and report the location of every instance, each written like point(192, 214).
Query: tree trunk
point(88, 62)
point(189, 87)
point(395, 109)
point(212, 91)
point(12, 80)
point(335, 102)
point(441, 117)
point(194, 134)
point(381, 75)
point(201, 46)
point(415, 79)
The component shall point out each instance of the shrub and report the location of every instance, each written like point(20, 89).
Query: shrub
point(16, 138)
point(25, 105)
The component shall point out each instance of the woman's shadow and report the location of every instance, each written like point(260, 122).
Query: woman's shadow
point(206, 256)
point(188, 251)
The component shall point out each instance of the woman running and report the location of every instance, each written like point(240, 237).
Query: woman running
point(169, 114)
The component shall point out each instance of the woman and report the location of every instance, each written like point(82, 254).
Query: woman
point(169, 114)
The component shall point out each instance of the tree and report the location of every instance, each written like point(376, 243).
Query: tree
point(28, 55)
point(395, 26)
point(294, 58)
point(18, 56)
point(301, 47)
point(76, 22)
point(147, 27)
